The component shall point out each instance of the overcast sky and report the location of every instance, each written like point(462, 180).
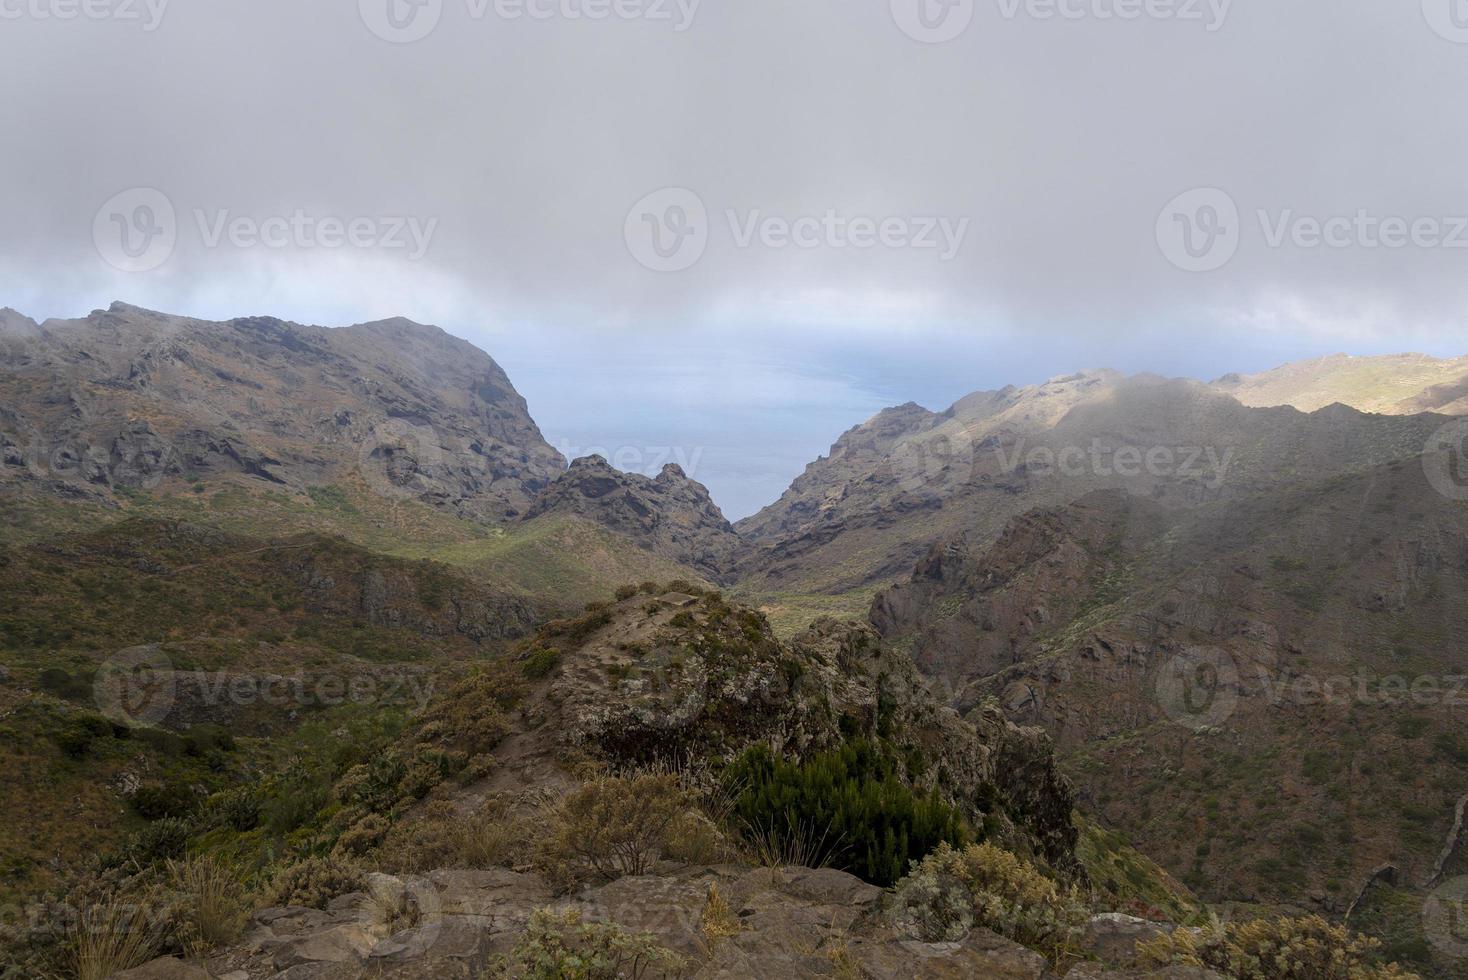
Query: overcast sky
point(607, 194)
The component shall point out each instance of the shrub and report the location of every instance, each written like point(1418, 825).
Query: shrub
point(162, 839)
point(238, 809)
point(717, 921)
point(443, 838)
point(361, 836)
point(314, 882)
point(1308, 948)
point(613, 825)
point(845, 808)
point(692, 838)
point(215, 899)
point(109, 938)
point(625, 592)
point(471, 714)
point(951, 891)
point(540, 662)
point(557, 946)
point(155, 800)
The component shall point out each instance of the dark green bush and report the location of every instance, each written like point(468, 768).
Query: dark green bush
point(848, 808)
point(158, 800)
point(160, 840)
point(539, 663)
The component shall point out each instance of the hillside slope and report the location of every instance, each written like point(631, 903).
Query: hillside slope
point(131, 398)
point(1232, 684)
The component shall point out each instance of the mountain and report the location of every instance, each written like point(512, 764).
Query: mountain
point(129, 398)
point(1393, 384)
point(862, 516)
point(669, 515)
point(1232, 684)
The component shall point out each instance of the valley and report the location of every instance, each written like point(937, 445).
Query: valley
point(278, 594)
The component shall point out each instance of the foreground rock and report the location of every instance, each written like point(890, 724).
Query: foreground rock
point(791, 922)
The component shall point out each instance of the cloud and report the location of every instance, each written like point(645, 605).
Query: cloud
point(825, 142)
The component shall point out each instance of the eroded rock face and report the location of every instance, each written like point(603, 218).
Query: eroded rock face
point(126, 397)
point(669, 515)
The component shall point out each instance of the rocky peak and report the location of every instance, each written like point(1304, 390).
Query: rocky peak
point(409, 410)
point(670, 515)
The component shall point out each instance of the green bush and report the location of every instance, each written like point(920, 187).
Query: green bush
point(540, 662)
point(238, 809)
point(162, 839)
point(314, 882)
point(557, 946)
point(1274, 949)
point(847, 807)
point(951, 891)
point(158, 800)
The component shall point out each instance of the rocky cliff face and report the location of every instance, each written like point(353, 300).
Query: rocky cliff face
point(669, 515)
point(128, 398)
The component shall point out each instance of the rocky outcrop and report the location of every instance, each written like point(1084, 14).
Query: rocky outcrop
point(126, 397)
point(679, 676)
point(791, 923)
point(669, 515)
